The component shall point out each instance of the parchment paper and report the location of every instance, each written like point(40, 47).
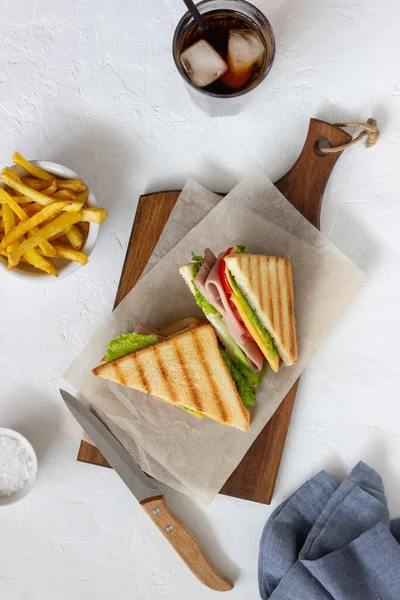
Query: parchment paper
point(197, 456)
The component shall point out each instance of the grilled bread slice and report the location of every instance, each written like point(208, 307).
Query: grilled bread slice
point(266, 282)
point(186, 370)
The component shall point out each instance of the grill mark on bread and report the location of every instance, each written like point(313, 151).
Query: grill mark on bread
point(246, 261)
point(214, 387)
point(194, 393)
point(280, 309)
point(288, 320)
point(164, 373)
point(143, 379)
point(292, 324)
point(285, 333)
point(260, 283)
point(269, 293)
point(119, 373)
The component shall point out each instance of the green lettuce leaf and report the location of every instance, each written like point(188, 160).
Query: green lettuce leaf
point(127, 343)
point(253, 378)
point(246, 392)
point(237, 355)
point(240, 249)
point(190, 410)
point(202, 302)
point(198, 261)
point(253, 317)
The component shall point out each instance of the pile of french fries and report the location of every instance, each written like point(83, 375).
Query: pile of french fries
point(43, 217)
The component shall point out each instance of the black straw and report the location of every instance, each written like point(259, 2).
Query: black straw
point(194, 11)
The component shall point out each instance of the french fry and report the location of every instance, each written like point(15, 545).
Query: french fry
point(45, 247)
point(60, 223)
point(70, 254)
point(62, 239)
point(13, 174)
point(74, 237)
point(51, 189)
point(34, 258)
point(30, 168)
point(20, 199)
point(64, 195)
point(5, 256)
point(27, 224)
point(94, 215)
point(13, 181)
point(35, 184)
point(73, 185)
point(73, 206)
point(57, 237)
point(33, 208)
point(83, 226)
point(8, 222)
point(82, 196)
point(5, 198)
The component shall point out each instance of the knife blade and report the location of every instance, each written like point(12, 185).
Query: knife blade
point(146, 492)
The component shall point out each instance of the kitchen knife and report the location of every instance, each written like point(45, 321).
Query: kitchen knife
point(145, 490)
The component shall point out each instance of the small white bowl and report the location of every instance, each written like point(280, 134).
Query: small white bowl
point(5, 500)
point(64, 267)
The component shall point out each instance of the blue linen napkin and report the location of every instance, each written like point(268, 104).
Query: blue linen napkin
point(332, 542)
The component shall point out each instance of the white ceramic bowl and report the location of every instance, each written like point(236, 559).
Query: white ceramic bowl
point(64, 267)
point(5, 500)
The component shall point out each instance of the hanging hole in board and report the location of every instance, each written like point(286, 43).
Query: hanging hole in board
point(321, 143)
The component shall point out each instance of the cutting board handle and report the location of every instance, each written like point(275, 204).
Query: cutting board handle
point(310, 173)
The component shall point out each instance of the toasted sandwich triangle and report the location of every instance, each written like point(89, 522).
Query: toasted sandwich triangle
point(266, 282)
point(185, 370)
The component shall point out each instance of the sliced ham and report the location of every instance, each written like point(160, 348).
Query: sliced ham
point(209, 259)
point(209, 284)
point(144, 330)
point(216, 295)
point(204, 271)
point(252, 351)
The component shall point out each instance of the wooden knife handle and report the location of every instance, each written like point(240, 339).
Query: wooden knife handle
point(185, 544)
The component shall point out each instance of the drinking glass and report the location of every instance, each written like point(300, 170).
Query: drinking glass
point(224, 104)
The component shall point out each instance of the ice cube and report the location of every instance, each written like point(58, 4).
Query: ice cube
point(203, 64)
point(245, 53)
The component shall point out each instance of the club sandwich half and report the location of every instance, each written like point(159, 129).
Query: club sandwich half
point(249, 300)
point(183, 365)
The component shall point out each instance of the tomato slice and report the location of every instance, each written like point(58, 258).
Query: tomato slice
point(229, 291)
point(222, 275)
point(246, 332)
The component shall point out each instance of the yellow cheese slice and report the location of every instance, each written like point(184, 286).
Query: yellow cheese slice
point(273, 361)
point(195, 413)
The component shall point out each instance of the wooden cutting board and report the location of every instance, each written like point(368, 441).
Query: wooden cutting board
point(304, 186)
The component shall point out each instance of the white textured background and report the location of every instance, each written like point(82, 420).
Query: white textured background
point(92, 85)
